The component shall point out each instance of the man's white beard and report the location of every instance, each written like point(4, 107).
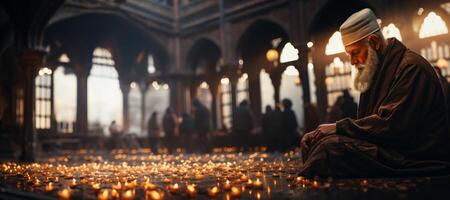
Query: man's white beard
point(363, 79)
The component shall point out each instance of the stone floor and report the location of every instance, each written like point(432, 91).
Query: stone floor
point(141, 175)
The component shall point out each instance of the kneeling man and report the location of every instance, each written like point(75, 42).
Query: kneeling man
point(402, 128)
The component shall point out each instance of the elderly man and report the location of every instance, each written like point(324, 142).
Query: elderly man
point(402, 127)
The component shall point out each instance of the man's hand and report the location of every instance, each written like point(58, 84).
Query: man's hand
point(312, 137)
point(307, 139)
point(324, 130)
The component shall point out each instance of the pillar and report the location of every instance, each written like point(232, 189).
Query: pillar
point(214, 87)
point(125, 88)
point(30, 61)
point(82, 63)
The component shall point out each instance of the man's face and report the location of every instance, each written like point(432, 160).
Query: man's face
point(365, 59)
point(358, 53)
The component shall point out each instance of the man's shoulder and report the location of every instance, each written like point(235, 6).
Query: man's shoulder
point(413, 61)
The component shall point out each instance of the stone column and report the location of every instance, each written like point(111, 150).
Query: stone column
point(214, 87)
point(275, 77)
point(143, 89)
point(82, 67)
point(125, 88)
point(30, 61)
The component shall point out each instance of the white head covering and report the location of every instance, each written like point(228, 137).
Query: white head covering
point(358, 26)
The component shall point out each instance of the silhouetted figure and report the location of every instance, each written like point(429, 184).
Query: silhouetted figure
point(153, 131)
point(186, 130)
point(290, 125)
point(243, 123)
point(202, 124)
point(266, 120)
point(115, 135)
point(169, 126)
point(349, 108)
point(276, 129)
point(265, 125)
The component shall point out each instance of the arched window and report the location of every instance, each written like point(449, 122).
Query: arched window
point(225, 102)
point(391, 31)
point(157, 99)
point(242, 88)
point(43, 98)
point(335, 44)
point(289, 53)
point(104, 95)
point(290, 89)
point(134, 110)
point(338, 78)
point(65, 99)
point(267, 90)
point(432, 25)
point(204, 94)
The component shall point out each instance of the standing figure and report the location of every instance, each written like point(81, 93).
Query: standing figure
point(202, 124)
point(290, 125)
point(153, 132)
point(169, 126)
point(243, 123)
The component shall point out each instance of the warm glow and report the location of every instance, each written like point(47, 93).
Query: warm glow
point(335, 44)
point(432, 25)
point(289, 53)
point(310, 44)
point(391, 31)
point(272, 55)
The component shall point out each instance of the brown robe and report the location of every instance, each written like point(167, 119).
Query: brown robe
point(402, 127)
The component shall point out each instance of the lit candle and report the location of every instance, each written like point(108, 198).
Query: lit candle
point(249, 183)
point(258, 174)
point(315, 184)
point(235, 191)
point(149, 186)
point(154, 195)
point(227, 185)
point(128, 195)
point(117, 186)
point(64, 194)
point(166, 180)
point(199, 176)
point(114, 194)
point(257, 184)
point(299, 179)
point(103, 195)
point(49, 187)
point(73, 183)
point(364, 183)
point(37, 183)
point(95, 187)
point(213, 191)
point(191, 190)
point(174, 188)
point(244, 178)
